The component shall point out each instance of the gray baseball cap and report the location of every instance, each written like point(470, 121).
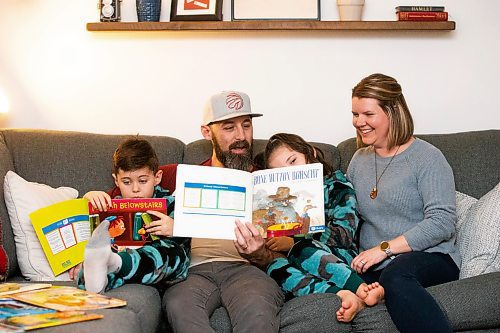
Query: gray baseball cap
point(226, 105)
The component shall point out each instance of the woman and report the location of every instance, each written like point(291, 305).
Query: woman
point(406, 195)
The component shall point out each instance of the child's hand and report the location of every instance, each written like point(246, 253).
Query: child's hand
point(162, 227)
point(73, 271)
point(280, 244)
point(100, 200)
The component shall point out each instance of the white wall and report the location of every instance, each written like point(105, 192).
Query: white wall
point(57, 75)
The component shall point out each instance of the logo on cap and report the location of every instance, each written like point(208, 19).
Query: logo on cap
point(234, 101)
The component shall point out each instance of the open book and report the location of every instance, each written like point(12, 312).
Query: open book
point(279, 202)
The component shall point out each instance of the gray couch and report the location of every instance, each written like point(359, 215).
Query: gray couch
point(83, 161)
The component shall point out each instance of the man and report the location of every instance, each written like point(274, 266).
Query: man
point(218, 275)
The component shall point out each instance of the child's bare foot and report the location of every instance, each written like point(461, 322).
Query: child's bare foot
point(371, 293)
point(351, 305)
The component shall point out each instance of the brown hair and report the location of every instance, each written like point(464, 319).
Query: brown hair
point(135, 153)
point(387, 91)
point(313, 154)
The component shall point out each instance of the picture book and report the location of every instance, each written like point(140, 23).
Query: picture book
point(128, 218)
point(68, 299)
point(46, 320)
point(279, 202)
point(14, 287)
point(12, 308)
point(63, 231)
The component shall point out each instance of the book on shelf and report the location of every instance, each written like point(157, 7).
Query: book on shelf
point(422, 16)
point(63, 231)
point(279, 202)
point(420, 9)
point(15, 287)
point(68, 299)
point(128, 218)
point(26, 323)
point(13, 308)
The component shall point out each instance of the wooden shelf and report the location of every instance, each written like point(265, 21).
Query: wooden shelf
point(269, 25)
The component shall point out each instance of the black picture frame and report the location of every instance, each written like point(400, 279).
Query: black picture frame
point(177, 14)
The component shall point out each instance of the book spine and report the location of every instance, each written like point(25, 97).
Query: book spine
point(423, 16)
point(420, 9)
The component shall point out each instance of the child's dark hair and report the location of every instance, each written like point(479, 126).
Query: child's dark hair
point(313, 154)
point(135, 153)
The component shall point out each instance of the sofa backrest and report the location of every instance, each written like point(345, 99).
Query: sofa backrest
point(59, 158)
point(473, 156)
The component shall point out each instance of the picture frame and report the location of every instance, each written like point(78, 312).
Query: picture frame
point(196, 10)
point(246, 10)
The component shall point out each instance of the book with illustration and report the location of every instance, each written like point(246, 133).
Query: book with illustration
point(68, 299)
point(128, 218)
point(8, 288)
point(63, 231)
point(13, 308)
point(279, 202)
point(26, 323)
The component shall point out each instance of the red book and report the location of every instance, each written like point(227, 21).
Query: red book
point(422, 16)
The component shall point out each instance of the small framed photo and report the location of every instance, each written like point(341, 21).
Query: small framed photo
point(275, 10)
point(196, 10)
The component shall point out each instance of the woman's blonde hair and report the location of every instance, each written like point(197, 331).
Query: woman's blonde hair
point(387, 91)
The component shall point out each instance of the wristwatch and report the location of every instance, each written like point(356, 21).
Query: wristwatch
point(384, 246)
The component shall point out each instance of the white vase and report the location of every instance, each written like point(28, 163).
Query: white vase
point(350, 10)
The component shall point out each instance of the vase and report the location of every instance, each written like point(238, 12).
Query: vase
point(148, 10)
point(350, 10)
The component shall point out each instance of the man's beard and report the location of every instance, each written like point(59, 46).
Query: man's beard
point(232, 160)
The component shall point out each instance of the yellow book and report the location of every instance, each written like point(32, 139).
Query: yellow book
point(63, 230)
point(47, 320)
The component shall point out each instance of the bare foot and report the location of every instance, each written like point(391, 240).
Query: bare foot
point(371, 293)
point(351, 305)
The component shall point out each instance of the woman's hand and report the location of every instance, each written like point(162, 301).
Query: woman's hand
point(367, 259)
point(162, 227)
point(100, 200)
point(280, 244)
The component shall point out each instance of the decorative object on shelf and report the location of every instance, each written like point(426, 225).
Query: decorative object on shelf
point(148, 10)
point(196, 10)
point(109, 10)
point(350, 10)
point(275, 10)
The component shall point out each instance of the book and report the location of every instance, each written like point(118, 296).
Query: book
point(420, 9)
point(14, 287)
point(68, 299)
point(279, 202)
point(422, 16)
point(45, 320)
point(63, 231)
point(128, 218)
point(12, 308)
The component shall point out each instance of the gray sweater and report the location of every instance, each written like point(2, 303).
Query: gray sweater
point(416, 198)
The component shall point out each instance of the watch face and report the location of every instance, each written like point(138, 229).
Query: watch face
point(384, 246)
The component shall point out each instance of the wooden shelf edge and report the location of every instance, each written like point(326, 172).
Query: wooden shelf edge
point(270, 25)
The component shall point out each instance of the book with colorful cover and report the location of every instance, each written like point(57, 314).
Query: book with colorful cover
point(15, 287)
point(279, 202)
point(63, 231)
point(422, 16)
point(45, 320)
point(68, 299)
point(13, 308)
point(420, 9)
point(128, 218)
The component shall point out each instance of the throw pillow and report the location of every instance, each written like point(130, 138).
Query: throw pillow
point(479, 236)
point(464, 203)
point(22, 198)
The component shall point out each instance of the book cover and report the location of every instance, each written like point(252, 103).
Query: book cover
point(12, 308)
point(422, 16)
point(47, 320)
point(127, 219)
point(14, 287)
point(420, 9)
point(68, 299)
point(279, 202)
point(63, 231)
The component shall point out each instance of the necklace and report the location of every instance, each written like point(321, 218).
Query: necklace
point(374, 191)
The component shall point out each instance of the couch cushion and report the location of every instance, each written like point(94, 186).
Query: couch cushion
point(22, 198)
point(479, 236)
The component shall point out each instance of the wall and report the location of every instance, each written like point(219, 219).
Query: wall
point(57, 75)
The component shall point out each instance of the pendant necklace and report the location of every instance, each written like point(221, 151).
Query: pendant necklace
point(374, 191)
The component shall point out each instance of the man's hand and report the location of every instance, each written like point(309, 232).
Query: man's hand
point(100, 200)
point(280, 244)
point(251, 246)
point(162, 227)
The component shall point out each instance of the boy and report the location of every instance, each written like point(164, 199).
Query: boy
point(162, 262)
